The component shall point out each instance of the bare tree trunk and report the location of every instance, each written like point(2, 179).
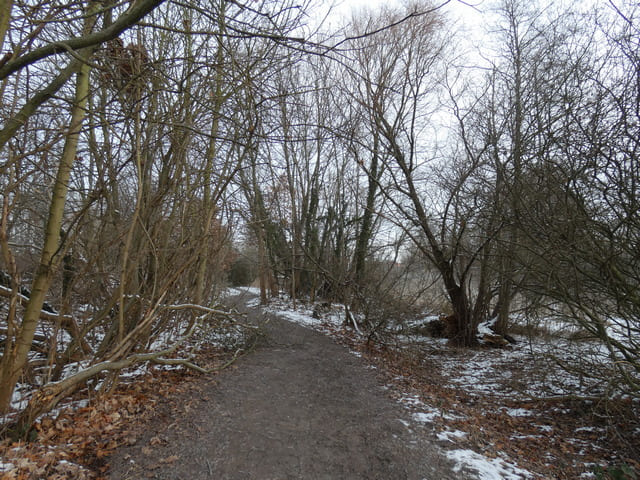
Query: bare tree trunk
point(366, 225)
point(14, 361)
point(207, 203)
point(5, 15)
point(264, 268)
point(512, 207)
point(10, 262)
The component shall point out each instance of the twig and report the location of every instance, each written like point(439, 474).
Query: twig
point(179, 361)
point(201, 308)
point(353, 320)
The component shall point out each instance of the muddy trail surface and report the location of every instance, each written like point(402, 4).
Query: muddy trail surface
point(298, 407)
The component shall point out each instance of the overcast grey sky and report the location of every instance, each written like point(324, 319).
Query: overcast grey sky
point(464, 12)
point(467, 16)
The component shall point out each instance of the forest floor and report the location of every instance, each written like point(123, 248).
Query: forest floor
point(313, 401)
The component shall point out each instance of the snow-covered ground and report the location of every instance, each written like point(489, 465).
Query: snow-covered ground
point(236, 291)
point(486, 468)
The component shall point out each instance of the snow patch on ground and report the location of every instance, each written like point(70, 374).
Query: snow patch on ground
point(425, 417)
point(254, 302)
point(423, 413)
point(301, 318)
point(73, 406)
point(412, 401)
point(486, 468)
point(518, 412)
point(544, 428)
point(527, 369)
point(236, 291)
point(138, 371)
point(485, 329)
point(21, 396)
point(308, 315)
point(451, 435)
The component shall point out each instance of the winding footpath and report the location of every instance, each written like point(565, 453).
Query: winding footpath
point(299, 407)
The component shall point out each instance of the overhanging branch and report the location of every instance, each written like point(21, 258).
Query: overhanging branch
point(126, 20)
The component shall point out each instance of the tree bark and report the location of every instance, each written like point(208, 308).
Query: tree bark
point(12, 125)
point(207, 203)
point(366, 225)
point(5, 16)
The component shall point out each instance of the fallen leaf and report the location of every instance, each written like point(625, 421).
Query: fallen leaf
point(170, 459)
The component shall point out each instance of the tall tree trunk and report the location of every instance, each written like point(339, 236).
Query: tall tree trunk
point(507, 264)
point(366, 225)
point(208, 206)
point(263, 267)
point(14, 361)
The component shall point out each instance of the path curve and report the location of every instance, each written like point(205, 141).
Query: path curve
point(299, 407)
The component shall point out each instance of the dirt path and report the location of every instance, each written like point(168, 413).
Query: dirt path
point(299, 407)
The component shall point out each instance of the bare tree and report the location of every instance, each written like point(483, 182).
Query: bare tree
point(398, 97)
point(584, 223)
